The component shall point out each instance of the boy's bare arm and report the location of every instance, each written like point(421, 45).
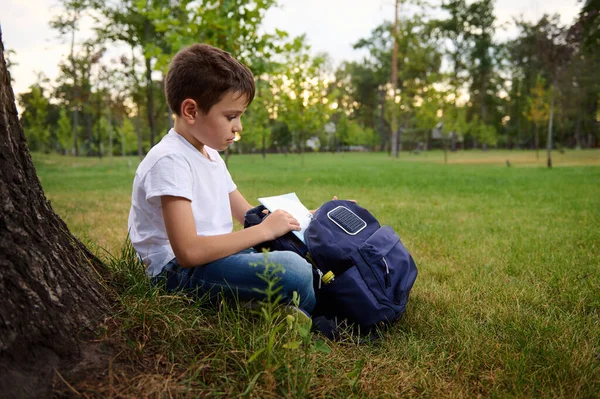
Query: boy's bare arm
point(194, 250)
point(239, 205)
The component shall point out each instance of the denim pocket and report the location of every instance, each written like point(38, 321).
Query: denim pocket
point(173, 277)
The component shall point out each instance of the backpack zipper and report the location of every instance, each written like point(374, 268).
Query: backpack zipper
point(388, 282)
point(320, 273)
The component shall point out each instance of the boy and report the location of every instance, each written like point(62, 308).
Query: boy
point(183, 199)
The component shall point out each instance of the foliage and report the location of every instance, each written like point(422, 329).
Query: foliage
point(452, 62)
point(350, 133)
point(64, 132)
point(419, 62)
point(538, 103)
point(484, 134)
point(126, 133)
point(302, 92)
point(35, 118)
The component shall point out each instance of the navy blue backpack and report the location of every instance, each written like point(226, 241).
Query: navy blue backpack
point(363, 273)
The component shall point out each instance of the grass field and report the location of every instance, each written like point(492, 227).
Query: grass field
point(507, 302)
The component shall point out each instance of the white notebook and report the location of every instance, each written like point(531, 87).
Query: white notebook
point(292, 205)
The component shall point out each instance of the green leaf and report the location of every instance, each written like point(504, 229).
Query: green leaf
point(303, 331)
point(321, 346)
point(255, 355)
point(292, 345)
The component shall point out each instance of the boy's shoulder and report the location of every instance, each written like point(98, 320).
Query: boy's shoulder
point(169, 145)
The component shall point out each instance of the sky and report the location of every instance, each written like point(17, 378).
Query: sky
point(330, 26)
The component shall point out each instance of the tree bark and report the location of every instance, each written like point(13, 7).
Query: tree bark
point(51, 293)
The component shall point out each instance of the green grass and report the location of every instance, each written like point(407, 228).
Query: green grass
point(507, 302)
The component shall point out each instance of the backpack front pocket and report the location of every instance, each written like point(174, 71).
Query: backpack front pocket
point(387, 264)
point(352, 299)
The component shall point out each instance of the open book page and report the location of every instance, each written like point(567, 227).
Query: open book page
point(292, 205)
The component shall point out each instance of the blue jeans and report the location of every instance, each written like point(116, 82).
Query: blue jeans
point(235, 276)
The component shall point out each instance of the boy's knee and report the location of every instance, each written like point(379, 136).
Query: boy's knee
point(296, 267)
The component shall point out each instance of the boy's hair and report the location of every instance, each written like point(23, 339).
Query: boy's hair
point(205, 73)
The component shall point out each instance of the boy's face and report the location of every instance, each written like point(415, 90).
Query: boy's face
point(217, 128)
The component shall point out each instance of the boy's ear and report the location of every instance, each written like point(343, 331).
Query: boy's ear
point(189, 110)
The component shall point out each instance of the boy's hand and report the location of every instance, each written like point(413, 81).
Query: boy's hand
point(333, 199)
point(279, 223)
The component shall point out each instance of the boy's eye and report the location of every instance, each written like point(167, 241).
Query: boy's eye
point(231, 117)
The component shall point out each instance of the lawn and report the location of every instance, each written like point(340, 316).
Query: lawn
point(507, 302)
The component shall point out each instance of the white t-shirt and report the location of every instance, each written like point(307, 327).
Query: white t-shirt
point(175, 167)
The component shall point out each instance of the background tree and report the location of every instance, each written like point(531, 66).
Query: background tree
point(34, 117)
point(538, 109)
point(555, 52)
point(455, 125)
point(480, 30)
point(142, 25)
point(491, 81)
point(303, 98)
point(418, 63)
point(64, 132)
point(68, 22)
point(78, 72)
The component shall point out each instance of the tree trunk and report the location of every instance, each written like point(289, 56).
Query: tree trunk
point(149, 91)
point(445, 138)
point(99, 126)
point(122, 141)
point(549, 141)
point(169, 110)
point(537, 142)
point(382, 133)
point(578, 131)
point(90, 134)
point(138, 132)
point(48, 279)
point(394, 79)
point(75, 96)
point(150, 101)
point(75, 123)
point(453, 143)
point(110, 129)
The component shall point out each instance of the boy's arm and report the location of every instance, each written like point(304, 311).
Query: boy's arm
point(193, 250)
point(239, 206)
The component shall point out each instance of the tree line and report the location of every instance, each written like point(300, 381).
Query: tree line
point(430, 77)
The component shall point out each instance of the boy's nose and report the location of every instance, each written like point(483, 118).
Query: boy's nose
point(238, 127)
